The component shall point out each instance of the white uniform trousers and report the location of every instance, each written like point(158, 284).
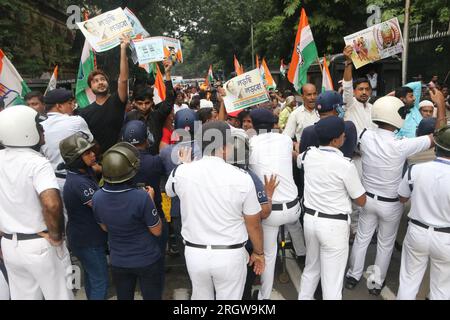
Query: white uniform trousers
point(4, 288)
point(356, 210)
point(327, 247)
point(386, 217)
point(421, 245)
point(271, 227)
point(220, 271)
point(295, 233)
point(37, 270)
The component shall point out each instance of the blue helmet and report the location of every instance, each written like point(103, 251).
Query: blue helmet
point(185, 120)
point(328, 101)
point(136, 132)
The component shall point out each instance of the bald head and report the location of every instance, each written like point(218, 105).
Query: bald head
point(309, 96)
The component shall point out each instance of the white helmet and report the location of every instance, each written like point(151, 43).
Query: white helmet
point(19, 127)
point(390, 110)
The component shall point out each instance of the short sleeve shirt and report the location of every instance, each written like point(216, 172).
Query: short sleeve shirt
point(82, 228)
point(24, 175)
point(128, 213)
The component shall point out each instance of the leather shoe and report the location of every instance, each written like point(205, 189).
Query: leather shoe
point(377, 291)
point(351, 283)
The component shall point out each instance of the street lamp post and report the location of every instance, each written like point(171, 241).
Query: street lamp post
point(406, 42)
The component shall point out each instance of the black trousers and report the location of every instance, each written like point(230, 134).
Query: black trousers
point(149, 278)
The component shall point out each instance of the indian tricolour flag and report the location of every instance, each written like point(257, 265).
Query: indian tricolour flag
point(267, 76)
point(53, 81)
point(305, 53)
point(12, 86)
point(210, 77)
point(159, 92)
point(83, 93)
point(327, 82)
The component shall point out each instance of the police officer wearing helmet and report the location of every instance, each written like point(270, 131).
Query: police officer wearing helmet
point(331, 183)
point(31, 216)
point(131, 219)
point(220, 211)
point(185, 122)
point(86, 239)
point(264, 192)
point(383, 158)
point(428, 235)
point(150, 172)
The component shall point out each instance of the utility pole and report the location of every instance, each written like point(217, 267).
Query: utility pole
point(253, 44)
point(406, 42)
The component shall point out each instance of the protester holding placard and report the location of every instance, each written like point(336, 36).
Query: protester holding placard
point(105, 116)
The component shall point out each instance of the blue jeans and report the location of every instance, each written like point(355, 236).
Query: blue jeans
point(93, 261)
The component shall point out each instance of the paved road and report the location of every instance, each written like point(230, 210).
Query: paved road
point(178, 286)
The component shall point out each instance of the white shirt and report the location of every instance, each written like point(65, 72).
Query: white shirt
point(298, 120)
point(206, 104)
point(57, 127)
point(214, 196)
point(24, 175)
point(360, 114)
point(383, 158)
point(177, 108)
point(430, 198)
point(271, 153)
point(331, 181)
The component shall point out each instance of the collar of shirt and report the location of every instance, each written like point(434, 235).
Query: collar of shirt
point(113, 188)
point(385, 133)
point(52, 114)
point(443, 160)
point(302, 108)
point(331, 149)
point(213, 158)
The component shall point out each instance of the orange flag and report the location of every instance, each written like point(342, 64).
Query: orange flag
point(237, 67)
point(159, 93)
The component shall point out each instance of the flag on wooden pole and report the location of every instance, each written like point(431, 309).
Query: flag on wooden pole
point(12, 87)
point(304, 54)
point(327, 82)
point(209, 77)
point(53, 81)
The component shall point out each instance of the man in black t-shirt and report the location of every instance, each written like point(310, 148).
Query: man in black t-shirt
point(105, 116)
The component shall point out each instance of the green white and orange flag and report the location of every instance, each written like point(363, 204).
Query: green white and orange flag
point(53, 81)
point(159, 92)
point(12, 86)
point(237, 67)
point(209, 77)
point(305, 53)
point(267, 76)
point(283, 68)
point(83, 92)
point(327, 82)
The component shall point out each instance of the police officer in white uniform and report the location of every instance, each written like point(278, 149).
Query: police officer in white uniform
point(383, 159)
point(271, 154)
point(31, 219)
point(428, 235)
point(219, 212)
point(61, 123)
point(331, 183)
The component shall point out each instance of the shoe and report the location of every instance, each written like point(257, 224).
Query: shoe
point(377, 291)
point(350, 283)
point(173, 251)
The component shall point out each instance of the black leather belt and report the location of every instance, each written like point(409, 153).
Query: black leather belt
point(217, 247)
point(423, 225)
point(279, 206)
point(328, 216)
point(22, 236)
point(382, 198)
point(60, 175)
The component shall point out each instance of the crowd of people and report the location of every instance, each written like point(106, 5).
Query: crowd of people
point(333, 170)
